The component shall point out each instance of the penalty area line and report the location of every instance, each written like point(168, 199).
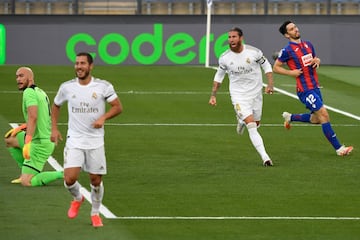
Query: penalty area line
point(350, 115)
point(298, 218)
point(103, 209)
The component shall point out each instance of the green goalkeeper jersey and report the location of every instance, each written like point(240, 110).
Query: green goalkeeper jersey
point(34, 96)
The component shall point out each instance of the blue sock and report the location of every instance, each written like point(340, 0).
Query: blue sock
point(304, 117)
point(330, 135)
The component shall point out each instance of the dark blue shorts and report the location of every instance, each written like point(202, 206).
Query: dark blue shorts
point(311, 99)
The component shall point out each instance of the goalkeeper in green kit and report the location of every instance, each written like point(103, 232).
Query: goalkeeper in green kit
point(29, 144)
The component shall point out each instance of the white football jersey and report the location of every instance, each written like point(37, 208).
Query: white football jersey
point(86, 103)
point(244, 72)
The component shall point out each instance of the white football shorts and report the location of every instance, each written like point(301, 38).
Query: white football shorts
point(90, 160)
point(246, 107)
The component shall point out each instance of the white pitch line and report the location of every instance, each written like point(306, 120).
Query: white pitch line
point(142, 92)
point(236, 218)
point(223, 124)
point(52, 161)
point(198, 92)
point(327, 106)
point(217, 124)
point(103, 209)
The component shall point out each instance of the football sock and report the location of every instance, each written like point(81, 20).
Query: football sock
point(257, 140)
point(304, 117)
point(16, 153)
point(97, 194)
point(44, 178)
point(74, 190)
point(330, 135)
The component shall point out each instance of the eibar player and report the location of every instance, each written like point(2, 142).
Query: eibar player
point(86, 98)
point(243, 64)
point(31, 148)
point(302, 61)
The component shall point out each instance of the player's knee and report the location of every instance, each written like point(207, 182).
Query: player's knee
point(11, 142)
point(95, 181)
point(321, 116)
point(69, 181)
point(314, 119)
point(251, 125)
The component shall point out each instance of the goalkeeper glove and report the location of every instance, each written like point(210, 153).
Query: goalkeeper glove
point(26, 148)
point(12, 132)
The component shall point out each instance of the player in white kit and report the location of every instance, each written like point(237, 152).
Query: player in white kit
point(86, 98)
point(243, 63)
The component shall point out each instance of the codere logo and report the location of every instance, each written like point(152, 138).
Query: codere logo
point(2, 44)
point(178, 48)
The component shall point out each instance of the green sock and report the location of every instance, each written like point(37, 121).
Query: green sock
point(16, 153)
point(44, 178)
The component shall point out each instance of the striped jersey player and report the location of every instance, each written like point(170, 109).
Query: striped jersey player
point(302, 63)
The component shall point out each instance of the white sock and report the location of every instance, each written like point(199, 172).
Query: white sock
point(97, 194)
point(74, 190)
point(257, 140)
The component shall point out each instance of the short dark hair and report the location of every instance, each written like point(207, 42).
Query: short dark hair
point(236, 29)
point(282, 28)
point(87, 55)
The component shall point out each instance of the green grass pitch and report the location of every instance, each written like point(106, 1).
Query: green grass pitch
point(177, 170)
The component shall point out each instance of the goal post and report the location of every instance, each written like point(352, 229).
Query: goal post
point(208, 32)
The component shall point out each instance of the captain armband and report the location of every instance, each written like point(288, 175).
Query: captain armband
point(261, 60)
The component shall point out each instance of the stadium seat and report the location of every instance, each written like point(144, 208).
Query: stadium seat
point(49, 5)
point(341, 7)
point(24, 8)
point(224, 7)
point(296, 7)
point(5, 6)
point(357, 5)
point(100, 7)
point(317, 7)
point(169, 7)
point(158, 7)
point(257, 6)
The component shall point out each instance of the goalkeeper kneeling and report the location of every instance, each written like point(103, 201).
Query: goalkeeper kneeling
point(21, 147)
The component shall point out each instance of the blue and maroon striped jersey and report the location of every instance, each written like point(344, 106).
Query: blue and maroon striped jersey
point(299, 56)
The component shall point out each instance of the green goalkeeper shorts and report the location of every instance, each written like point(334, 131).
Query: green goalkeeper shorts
point(39, 153)
point(20, 136)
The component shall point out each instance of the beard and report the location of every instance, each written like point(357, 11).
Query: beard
point(85, 75)
point(235, 48)
point(297, 36)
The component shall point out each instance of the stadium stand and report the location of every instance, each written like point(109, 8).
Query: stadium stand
point(108, 7)
point(345, 7)
point(5, 6)
point(224, 7)
point(43, 7)
point(181, 7)
point(297, 7)
point(169, 7)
